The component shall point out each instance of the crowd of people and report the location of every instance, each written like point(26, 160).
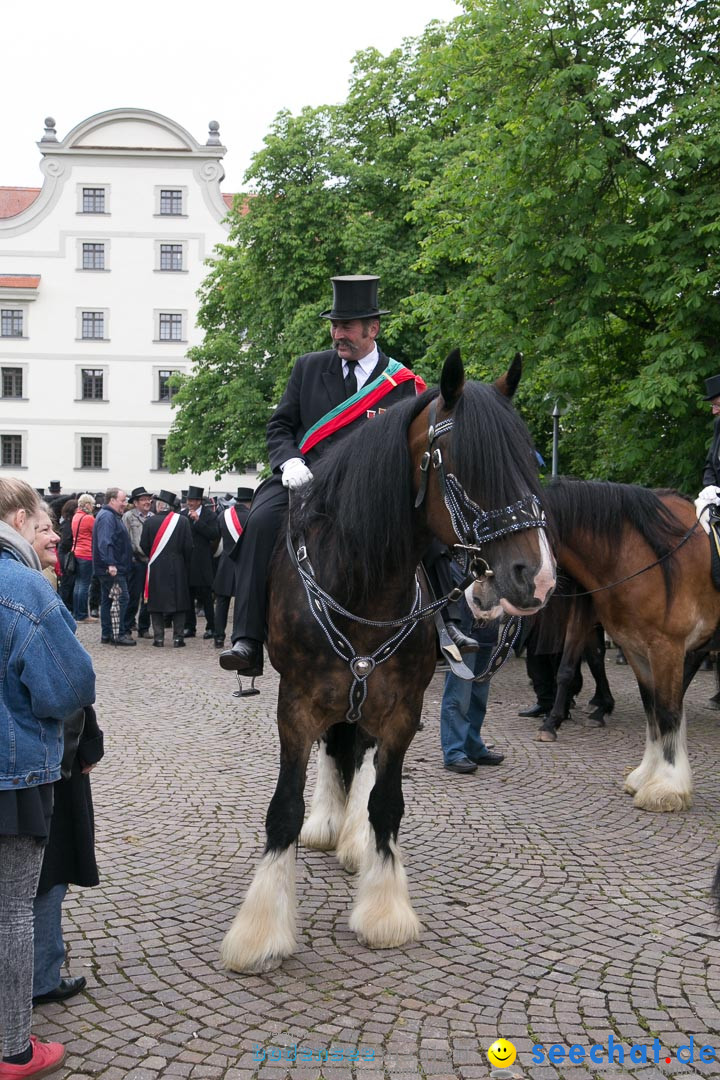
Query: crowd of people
point(142, 562)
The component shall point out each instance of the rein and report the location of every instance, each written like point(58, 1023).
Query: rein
point(637, 573)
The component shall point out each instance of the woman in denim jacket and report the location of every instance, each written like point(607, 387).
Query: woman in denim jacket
point(45, 675)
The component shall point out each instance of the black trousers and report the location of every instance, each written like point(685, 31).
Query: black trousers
point(253, 559)
point(205, 596)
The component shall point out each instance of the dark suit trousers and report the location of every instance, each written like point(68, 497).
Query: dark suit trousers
point(254, 553)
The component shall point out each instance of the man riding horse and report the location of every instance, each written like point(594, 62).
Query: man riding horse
point(329, 394)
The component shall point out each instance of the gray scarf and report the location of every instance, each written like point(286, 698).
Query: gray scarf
point(11, 540)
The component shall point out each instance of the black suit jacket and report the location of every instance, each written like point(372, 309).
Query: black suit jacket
point(316, 386)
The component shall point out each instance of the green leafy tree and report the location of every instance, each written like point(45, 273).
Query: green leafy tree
point(578, 210)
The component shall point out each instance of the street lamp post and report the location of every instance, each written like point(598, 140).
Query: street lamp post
point(556, 414)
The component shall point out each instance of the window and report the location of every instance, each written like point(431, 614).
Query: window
point(11, 448)
point(161, 444)
point(166, 392)
point(93, 200)
point(93, 325)
point(11, 322)
point(170, 327)
point(93, 256)
point(92, 384)
point(12, 382)
point(171, 201)
point(171, 256)
point(91, 453)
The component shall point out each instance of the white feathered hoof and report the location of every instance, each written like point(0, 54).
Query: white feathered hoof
point(661, 798)
point(383, 917)
point(263, 932)
point(327, 811)
point(353, 844)
point(321, 830)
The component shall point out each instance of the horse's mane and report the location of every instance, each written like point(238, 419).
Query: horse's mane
point(604, 509)
point(360, 506)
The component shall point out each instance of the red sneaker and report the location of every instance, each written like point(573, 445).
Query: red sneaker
point(46, 1059)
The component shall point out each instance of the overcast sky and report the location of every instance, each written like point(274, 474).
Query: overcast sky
point(235, 62)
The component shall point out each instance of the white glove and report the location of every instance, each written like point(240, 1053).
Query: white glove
point(295, 473)
point(708, 496)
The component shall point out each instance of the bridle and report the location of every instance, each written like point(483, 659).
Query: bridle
point(473, 528)
point(472, 525)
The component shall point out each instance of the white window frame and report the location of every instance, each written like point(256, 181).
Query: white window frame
point(23, 449)
point(16, 305)
point(182, 188)
point(182, 340)
point(97, 311)
point(92, 240)
point(175, 368)
point(25, 368)
point(79, 436)
point(92, 213)
point(79, 368)
point(155, 467)
point(178, 243)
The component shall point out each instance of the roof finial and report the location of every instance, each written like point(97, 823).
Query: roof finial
point(50, 134)
point(213, 134)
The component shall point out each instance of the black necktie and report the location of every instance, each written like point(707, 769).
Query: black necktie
point(351, 385)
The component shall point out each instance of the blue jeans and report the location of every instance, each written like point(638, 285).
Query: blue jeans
point(83, 573)
point(49, 944)
point(106, 584)
point(463, 710)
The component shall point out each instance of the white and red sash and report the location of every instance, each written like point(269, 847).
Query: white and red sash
point(159, 544)
point(232, 522)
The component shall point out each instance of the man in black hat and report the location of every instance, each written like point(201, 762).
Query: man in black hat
point(232, 520)
point(321, 404)
point(205, 535)
point(167, 541)
point(711, 472)
point(133, 520)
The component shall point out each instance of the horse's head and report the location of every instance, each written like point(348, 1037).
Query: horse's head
point(475, 477)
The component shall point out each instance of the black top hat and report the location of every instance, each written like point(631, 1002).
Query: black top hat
point(168, 497)
point(712, 387)
point(194, 492)
point(244, 494)
point(354, 297)
point(137, 492)
point(54, 488)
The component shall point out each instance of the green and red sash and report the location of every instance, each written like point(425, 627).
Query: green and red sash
point(343, 414)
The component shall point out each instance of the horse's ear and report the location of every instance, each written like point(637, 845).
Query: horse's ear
point(452, 379)
point(507, 384)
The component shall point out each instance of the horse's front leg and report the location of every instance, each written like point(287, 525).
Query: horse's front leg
point(663, 779)
point(263, 932)
point(383, 916)
point(602, 700)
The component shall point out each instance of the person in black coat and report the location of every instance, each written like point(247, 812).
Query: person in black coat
point(320, 382)
point(69, 857)
point(232, 523)
point(206, 536)
point(711, 470)
point(170, 554)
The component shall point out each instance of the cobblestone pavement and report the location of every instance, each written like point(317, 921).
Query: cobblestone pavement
point(553, 911)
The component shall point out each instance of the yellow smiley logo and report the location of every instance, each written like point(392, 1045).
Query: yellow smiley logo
point(502, 1053)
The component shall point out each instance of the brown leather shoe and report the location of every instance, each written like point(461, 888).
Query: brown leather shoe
point(245, 656)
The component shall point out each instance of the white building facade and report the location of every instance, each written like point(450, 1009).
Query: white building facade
point(99, 272)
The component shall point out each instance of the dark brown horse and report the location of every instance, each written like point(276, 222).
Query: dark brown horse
point(664, 617)
point(423, 469)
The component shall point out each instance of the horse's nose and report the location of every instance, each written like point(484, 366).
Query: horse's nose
point(533, 582)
